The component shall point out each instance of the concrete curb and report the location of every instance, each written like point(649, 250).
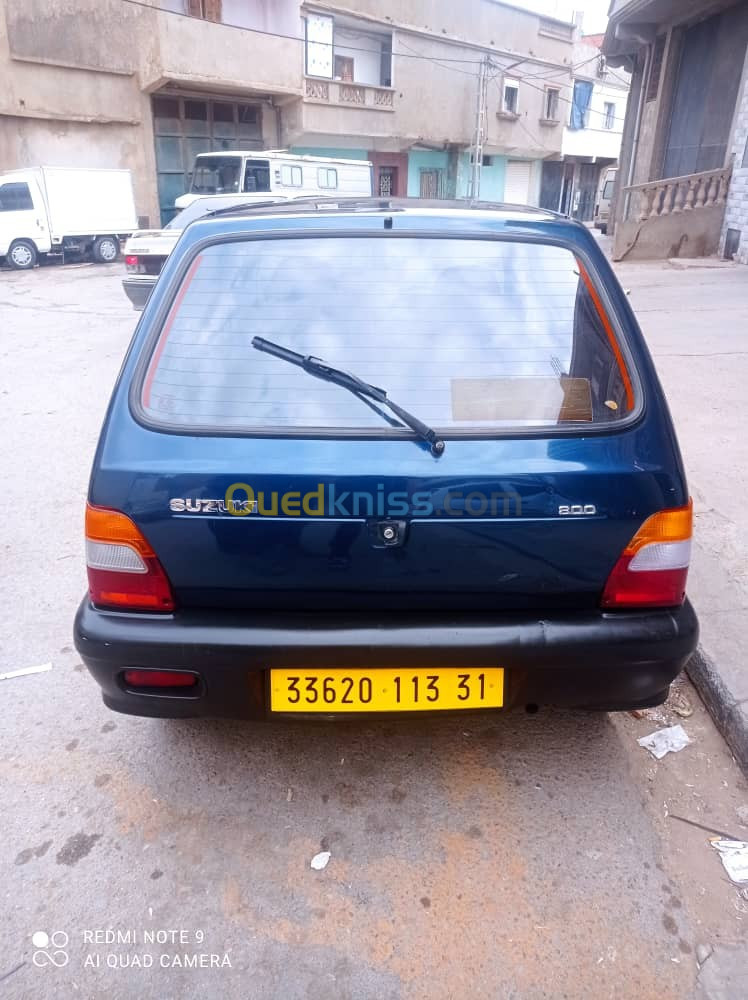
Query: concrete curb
point(731, 717)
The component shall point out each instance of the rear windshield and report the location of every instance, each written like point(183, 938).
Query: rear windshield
point(466, 334)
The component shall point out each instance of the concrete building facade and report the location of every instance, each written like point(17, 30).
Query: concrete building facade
point(681, 173)
point(734, 236)
point(148, 85)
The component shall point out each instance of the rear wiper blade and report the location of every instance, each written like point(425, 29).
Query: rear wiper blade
point(320, 369)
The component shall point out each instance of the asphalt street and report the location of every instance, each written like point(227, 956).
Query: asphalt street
point(511, 856)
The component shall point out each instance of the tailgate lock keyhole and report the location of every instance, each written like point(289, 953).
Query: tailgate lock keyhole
point(387, 534)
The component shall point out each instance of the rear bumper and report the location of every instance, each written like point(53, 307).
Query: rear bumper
point(588, 660)
point(138, 288)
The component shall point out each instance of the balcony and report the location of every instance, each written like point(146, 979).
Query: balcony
point(360, 96)
point(210, 56)
point(673, 217)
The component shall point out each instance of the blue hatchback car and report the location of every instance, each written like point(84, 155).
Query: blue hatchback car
point(382, 457)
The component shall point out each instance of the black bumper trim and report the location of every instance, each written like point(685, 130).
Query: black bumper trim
point(593, 659)
point(138, 289)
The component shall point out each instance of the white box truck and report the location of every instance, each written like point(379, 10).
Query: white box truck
point(58, 210)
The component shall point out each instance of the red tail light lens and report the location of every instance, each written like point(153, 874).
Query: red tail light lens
point(652, 569)
point(160, 678)
point(123, 571)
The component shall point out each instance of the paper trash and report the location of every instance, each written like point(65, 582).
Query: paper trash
point(734, 856)
point(664, 741)
point(319, 861)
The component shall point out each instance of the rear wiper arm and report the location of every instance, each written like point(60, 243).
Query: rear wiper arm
point(320, 369)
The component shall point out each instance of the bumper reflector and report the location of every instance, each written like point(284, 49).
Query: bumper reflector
point(160, 678)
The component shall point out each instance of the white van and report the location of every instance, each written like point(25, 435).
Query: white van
point(58, 209)
point(604, 197)
point(278, 172)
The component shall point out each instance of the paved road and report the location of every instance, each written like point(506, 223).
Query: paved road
point(695, 316)
point(520, 856)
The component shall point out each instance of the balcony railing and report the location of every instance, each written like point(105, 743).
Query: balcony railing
point(673, 195)
point(349, 95)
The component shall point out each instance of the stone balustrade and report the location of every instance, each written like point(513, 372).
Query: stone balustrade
point(352, 95)
point(673, 195)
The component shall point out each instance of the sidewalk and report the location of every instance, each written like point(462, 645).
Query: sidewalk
point(695, 318)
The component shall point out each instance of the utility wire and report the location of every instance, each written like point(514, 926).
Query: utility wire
point(411, 54)
point(570, 70)
point(437, 61)
point(277, 34)
point(565, 100)
point(535, 138)
point(399, 55)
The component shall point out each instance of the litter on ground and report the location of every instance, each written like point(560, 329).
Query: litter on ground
point(319, 861)
point(664, 741)
point(734, 857)
point(26, 670)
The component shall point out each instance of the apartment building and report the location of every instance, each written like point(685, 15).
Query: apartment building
point(592, 131)
point(148, 85)
point(397, 84)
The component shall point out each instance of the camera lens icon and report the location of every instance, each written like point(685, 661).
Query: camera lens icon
point(50, 949)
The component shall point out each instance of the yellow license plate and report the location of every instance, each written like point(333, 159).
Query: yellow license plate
point(386, 689)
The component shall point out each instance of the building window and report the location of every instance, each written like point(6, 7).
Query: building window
point(486, 160)
point(341, 52)
point(653, 84)
point(291, 176)
point(318, 45)
point(15, 197)
point(510, 105)
point(745, 155)
point(551, 104)
point(344, 69)
point(610, 115)
point(580, 105)
point(327, 177)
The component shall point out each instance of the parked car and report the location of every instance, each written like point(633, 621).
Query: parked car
point(276, 171)
point(147, 249)
point(59, 210)
point(386, 456)
point(604, 198)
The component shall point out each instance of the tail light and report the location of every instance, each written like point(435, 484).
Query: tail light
point(123, 571)
point(652, 569)
point(131, 262)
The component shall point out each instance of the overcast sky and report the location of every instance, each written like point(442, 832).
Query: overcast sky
point(595, 11)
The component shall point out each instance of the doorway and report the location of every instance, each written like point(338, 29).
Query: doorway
point(517, 183)
point(432, 184)
point(184, 127)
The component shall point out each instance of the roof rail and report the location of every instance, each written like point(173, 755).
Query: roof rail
point(329, 203)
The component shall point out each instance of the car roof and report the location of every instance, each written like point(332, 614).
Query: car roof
point(317, 204)
point(327, 214)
